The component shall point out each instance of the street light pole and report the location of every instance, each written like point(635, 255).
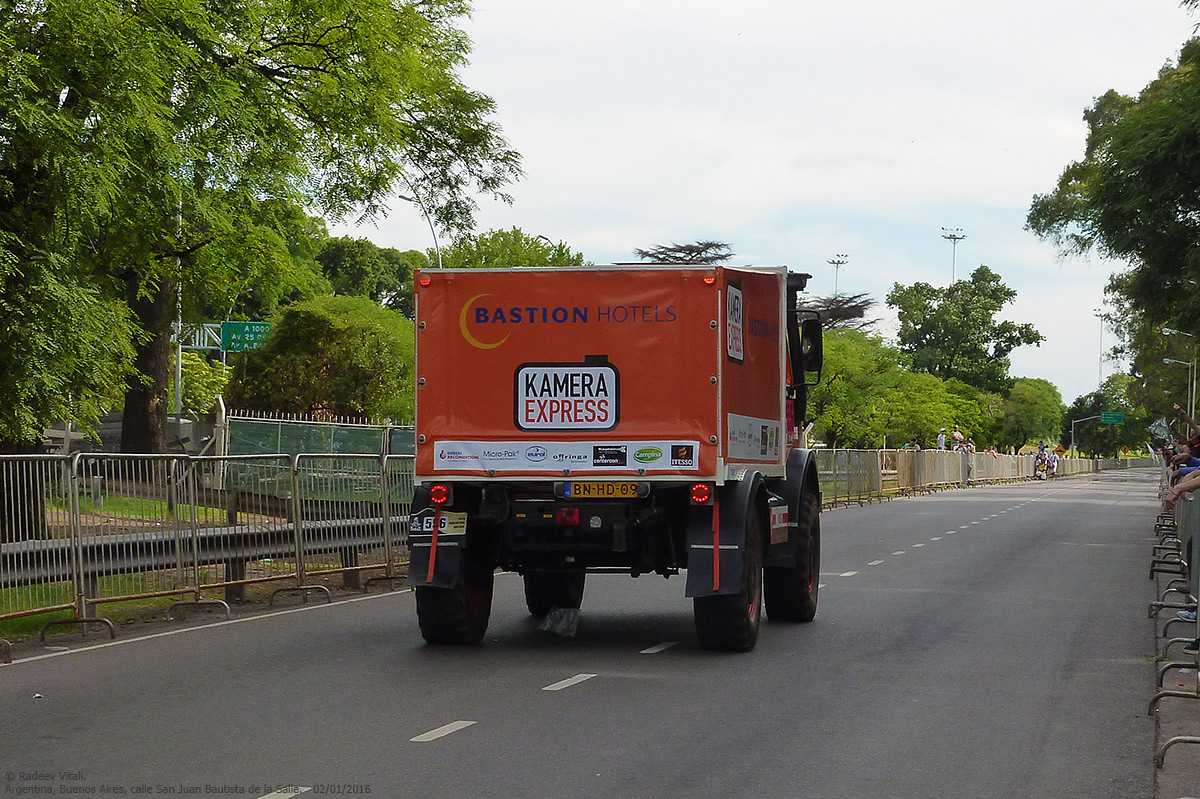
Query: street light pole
point(1096, 312)
point(417, 202)
point(837, 262)
point(1191, 393)
point(1073, 423)
point(954, 236)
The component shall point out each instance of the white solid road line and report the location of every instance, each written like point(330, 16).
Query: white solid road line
point(441, 732)
point(654, 650)
point(567, 683)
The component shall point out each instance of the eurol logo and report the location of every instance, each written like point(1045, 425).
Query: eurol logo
point(535, 454)
point(648, 455)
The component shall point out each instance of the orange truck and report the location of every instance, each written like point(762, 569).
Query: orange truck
point(636, 419)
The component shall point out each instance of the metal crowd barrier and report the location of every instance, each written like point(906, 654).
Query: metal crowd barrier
point(1175, 556)
point(82, 531)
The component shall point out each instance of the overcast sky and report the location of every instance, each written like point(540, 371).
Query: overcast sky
point(799, 130)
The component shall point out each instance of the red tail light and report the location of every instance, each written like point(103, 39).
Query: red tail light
point(439, 493)
point(567, 517)
point(701, 493)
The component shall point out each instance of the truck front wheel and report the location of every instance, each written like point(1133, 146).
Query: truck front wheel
point(458, 615)
point(730, 621)
point(791, 591)
point(545, 591)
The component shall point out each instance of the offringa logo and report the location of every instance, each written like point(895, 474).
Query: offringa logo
point(647, 454)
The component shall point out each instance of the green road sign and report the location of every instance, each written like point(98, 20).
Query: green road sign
point(238, 336)
point(1112, 417)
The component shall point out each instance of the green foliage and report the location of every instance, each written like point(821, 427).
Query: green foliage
point(1106, 440)
point(953, 332)
point(1033, 411)
point(1133, 195)
point(337, 356)
point(359, 268)
point(137, 142)
point(867, 395)
point(202, 382)
point(64, 348)
point(502, 249)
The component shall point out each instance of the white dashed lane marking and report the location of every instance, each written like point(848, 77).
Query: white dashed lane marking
point(899, 552)
point(288, 792)
point(875, 563)
point(654, 650)
point(441, 732)
point(917, 545)
point(936, 538)
point(847, 574)
point(567, 683)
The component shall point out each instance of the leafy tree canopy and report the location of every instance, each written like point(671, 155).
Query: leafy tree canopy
point(1133, 195)
point(700, 252)
point(337, 356)
point(136, 139)
point(953, 332)
point(359, 268)
point(1106, 440)
point(1033, 411)
point(501, 249)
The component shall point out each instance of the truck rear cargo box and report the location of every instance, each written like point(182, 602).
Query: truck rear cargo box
point(651, 371)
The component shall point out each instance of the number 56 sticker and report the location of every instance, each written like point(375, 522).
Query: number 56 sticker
point(449, 523)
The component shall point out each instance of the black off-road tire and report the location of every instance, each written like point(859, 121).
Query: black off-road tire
point(730, 622)
point(547, 590)
point(790, 592)
point(458, 615)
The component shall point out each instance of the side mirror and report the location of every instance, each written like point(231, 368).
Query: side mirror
point(811, 344)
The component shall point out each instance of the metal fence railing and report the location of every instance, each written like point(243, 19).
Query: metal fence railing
point(80, 531)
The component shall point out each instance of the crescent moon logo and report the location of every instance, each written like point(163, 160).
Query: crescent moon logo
point(462, 325)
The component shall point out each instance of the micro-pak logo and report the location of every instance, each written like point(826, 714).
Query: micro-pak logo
point(683, 455)
point(613, 455)
point(567, 396)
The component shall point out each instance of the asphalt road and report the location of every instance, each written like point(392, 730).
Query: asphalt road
point(990, 642)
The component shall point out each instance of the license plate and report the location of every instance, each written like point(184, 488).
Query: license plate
point(602, 490)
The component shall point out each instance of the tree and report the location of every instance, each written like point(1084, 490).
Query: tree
point(1101, 440)
point(867, 397)
point(359, 268)
point(953, 332)
point(147, 131)
point(1032, 411)
point(333, 356)
point(502, 249)
point(701, 252)
point(1133, 195)
point(843, 310)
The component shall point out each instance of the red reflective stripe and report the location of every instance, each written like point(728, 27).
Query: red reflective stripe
point(716, 528)
point(437, 521)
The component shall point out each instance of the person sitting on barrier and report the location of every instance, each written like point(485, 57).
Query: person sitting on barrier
point(912, 444)
point(1186, 485)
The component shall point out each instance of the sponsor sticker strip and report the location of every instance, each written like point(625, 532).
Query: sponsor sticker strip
point(514, 456)
point(751, 438)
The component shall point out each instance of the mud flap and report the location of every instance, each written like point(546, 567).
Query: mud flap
point(716, 551)
point(436, 540)
point(792, 489)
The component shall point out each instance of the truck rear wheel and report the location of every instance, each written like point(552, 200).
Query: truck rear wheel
point(458, 615)
point(730, 621)
point(791, 591)
point(547, 590)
